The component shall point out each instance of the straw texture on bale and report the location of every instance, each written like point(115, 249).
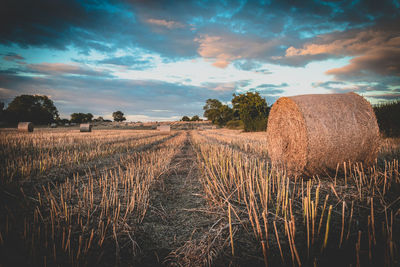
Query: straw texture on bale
point(85, 127)
point(312, 134)
point(25, 127)
point(164, 129)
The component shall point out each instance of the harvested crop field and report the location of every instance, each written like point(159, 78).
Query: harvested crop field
point(190, 198)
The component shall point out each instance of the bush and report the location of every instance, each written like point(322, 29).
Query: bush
point(235, 125)
point(388, 116)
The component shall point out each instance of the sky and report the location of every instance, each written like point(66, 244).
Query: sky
point(161, 60)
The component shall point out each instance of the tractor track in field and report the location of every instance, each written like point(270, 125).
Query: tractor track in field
point(178, 215)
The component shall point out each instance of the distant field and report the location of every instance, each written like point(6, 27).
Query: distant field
point(190, 198)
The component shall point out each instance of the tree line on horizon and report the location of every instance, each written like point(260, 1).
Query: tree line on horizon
point(249, 111)
point(40, 109)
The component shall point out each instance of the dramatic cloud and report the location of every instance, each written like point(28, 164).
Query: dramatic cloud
point(227, 48)
point(383, 61)
point(165, 58)
point(374, 51)
point(168, 24)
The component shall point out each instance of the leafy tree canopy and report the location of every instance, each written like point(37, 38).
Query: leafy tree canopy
point(252, 109)
point(216, 112)
point(388, 116)
point(185, 118)
point(81, 117)
point(38, 109)
point(195, 118)
point(118, 116)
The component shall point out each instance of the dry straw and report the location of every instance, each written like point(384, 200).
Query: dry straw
point(164, 129)
point(85, 127)
point(312, 134)
point(25, 127)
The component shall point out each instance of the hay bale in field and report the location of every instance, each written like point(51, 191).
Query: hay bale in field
point(85, 127)
point(311, 134)
point(53, 125)
point(164, 129)
point(25, 126)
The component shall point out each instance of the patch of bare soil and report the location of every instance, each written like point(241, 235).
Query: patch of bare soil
point(179, 229)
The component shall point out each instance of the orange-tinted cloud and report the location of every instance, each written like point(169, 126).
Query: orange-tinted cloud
point(223, 49)
point(356, 44)
point(383, 61)
point(375, 52)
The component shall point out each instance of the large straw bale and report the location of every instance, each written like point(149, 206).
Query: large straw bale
point(312, 134)
point(25, 126)
point(85, 127)
point(53, 125)
point(164, 129)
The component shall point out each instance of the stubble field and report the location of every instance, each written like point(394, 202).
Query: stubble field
point(190, 198)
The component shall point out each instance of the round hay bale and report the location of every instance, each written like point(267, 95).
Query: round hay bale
point(85, 127)
point(25, 126)
point(53, 125)
point(312, 134)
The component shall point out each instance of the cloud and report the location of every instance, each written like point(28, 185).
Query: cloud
point(63, 69)
point(102, 96)
point(389, 97)
point(269, 85)
point(223, 49)
point(165, 23)
point(384, 61)
point(270, 90)
point(131, 62)
point(12, 57)
point(228, 87)
point(374, 51)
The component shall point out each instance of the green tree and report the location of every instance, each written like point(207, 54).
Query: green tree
point(38, 109)
point(211, 109)
point(81, 117)
point(225, 115)
point(99, 119)
point(195, 118)
point(2, 111)
point(388, 117)
point(185, 118)
point(118, 116)
point(252, 109)
point(216, 112)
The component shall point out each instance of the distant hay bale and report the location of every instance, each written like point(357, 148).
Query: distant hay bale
point(53, 125)
point(312, 134)
point(25, 126)
point(164, 129)
point(85, 127)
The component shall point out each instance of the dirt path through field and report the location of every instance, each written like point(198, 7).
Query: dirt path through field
point(176, 213)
